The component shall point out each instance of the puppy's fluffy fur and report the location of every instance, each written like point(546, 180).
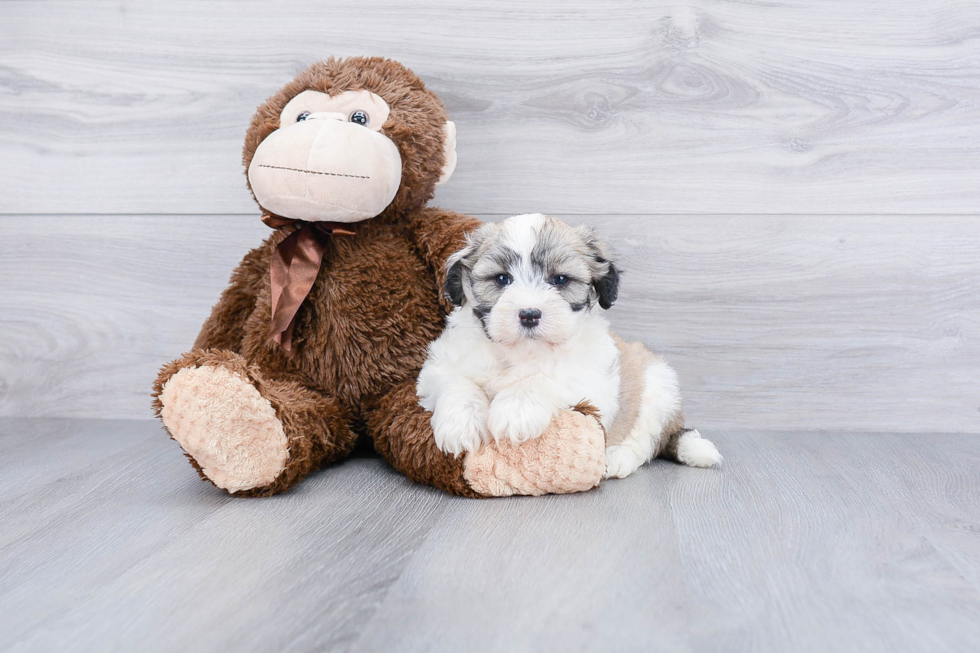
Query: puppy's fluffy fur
point(526, 340)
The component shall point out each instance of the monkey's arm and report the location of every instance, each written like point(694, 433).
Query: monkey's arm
point(437, 234)
point(224, 328)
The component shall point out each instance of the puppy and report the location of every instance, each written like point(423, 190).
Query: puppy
point(526, 340)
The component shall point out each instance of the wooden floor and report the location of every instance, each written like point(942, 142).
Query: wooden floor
point(801, 542)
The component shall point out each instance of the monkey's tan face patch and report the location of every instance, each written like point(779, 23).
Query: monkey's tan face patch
point(328, 161)
point(348, 103)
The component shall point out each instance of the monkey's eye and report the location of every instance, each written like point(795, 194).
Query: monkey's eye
point(359, 117)
point(503, 280)
point(303, 116)
point(560, 280)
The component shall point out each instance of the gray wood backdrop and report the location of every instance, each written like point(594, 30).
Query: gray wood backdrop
point(793, 187)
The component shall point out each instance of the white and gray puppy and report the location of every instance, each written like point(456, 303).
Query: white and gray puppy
point(526, 341)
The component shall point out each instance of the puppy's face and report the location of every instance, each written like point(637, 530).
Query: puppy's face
point(531, 278)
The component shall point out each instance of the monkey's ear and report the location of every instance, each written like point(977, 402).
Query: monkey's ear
point(453, 288)
point(449, 149)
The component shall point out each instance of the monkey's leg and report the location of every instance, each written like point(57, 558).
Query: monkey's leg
point(246, 433)
point(568, 457)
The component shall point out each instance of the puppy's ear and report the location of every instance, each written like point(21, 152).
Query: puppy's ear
point(605, 275)
point(462, 260)
point(453, 288)
point(607, 287)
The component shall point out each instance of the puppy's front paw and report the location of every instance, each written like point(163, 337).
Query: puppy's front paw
point(621, 461)
point(518, 417)
point(460, 427)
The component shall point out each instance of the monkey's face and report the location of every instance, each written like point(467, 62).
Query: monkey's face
point(328, 160)
point(346, 140)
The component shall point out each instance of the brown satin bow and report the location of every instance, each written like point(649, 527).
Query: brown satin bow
point(294, 267)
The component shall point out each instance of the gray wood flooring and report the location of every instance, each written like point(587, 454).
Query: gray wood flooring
point(802, 541)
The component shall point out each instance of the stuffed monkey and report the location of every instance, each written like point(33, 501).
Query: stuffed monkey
point(323, 328)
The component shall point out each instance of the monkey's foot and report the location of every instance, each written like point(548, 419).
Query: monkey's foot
point(226, 426)
point(568, 457)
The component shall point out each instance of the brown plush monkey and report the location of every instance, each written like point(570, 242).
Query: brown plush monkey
point(324, 327)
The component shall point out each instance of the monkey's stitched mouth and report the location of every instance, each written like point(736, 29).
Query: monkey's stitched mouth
point(314, 172)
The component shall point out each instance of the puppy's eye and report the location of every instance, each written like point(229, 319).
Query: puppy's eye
point(503, 280)
point(303, 116)
point(560, 280)
point(359, 117)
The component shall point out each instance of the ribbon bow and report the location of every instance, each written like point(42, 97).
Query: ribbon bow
point(295, 265)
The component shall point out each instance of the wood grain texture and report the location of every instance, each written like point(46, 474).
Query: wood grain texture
point(789, 322)
point(590, 572)
point(861, 323)
point(695, 106)
point(137, 552)
point(801, 541)
point(35, 452)
point(838, 562)
point(94, 306)
point(781, 550)
point(942, 488)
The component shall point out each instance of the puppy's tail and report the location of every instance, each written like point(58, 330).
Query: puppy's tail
point(687, 447)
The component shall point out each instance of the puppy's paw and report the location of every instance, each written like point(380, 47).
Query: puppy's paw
point(695, 451)
point(460, 427)
point(621, 461)
point(518, 417)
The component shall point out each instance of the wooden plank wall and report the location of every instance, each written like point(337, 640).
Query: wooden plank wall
point(793, 187)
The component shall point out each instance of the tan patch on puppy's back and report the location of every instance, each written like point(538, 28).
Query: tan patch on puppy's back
point(634, 359)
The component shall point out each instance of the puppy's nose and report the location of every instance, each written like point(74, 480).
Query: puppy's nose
point(529, 317)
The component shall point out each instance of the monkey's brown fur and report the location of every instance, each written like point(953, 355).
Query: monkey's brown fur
point(361, 335)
